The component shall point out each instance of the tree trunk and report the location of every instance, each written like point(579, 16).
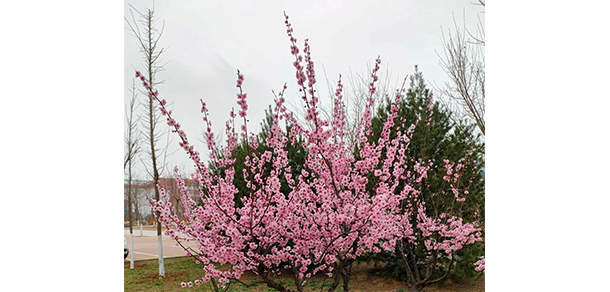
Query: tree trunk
point(297, 281)
point(346, 274)
point(271, 283)
point(161, 264)
point(156, 181)
point(131, 246)
point(337, 279)
point(129, 197)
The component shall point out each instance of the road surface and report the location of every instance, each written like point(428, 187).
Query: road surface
point(146, 246)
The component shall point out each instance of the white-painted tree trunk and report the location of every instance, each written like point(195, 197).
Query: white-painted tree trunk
point(131, 250)
point(161, 264)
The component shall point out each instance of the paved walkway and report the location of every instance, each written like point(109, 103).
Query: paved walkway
point(145, 247)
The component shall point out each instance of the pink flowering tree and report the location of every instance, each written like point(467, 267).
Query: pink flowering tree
point(432, 231)
point(436, 142)
point(430, 227)
point(326, 218)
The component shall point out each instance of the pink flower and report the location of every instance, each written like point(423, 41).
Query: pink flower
point(480, 265)
point(240, 79)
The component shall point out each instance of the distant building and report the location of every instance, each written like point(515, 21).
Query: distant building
point(141, 207)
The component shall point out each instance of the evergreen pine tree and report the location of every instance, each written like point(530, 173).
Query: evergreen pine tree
point(442, 139)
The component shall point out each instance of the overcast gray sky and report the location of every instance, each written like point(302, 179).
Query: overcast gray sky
point(207, 41)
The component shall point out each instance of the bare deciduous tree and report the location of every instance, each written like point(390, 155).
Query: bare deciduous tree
point(356, 99)
point(464, 63)
point(147, 38)
point(132, 149)
point(138, 196)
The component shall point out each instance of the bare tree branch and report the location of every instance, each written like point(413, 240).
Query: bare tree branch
point(464, 64)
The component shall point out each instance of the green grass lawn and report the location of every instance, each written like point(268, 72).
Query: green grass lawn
point(145, 277)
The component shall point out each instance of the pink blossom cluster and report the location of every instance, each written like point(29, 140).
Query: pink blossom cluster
point(241, 97)
point(447, 233)
point(328, 216)
point(480, 264)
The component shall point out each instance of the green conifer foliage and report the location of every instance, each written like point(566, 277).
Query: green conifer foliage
point(443, 139)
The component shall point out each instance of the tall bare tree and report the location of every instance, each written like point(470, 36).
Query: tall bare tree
point(464, 63)
point(132, 149)
point(147, 37)
point(355, 98)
